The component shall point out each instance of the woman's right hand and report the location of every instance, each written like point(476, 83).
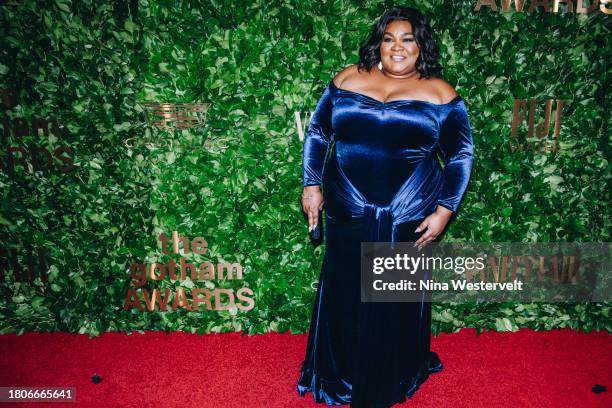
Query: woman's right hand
point(312, 203)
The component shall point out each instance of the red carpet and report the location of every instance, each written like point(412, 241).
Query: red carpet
point(523, 369)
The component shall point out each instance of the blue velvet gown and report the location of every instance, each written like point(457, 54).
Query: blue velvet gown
point(377, 166)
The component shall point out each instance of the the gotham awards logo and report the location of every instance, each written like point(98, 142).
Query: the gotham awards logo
point(548, 6)
point(31, 158)
point(211, 297)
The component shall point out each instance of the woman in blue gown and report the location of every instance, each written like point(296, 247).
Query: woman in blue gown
point(375, 159)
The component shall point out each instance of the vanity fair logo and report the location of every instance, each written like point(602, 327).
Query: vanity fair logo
point(176, 115)
point(549, 6)
point(31, 158)
point(164, 121)
point(301, 125)
point(523, 110)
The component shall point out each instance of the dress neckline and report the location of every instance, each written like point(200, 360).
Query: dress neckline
point(359, 94)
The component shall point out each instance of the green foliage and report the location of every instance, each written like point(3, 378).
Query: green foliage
point(88, 63)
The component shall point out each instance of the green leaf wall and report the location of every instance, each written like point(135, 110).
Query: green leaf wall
point(88, 63)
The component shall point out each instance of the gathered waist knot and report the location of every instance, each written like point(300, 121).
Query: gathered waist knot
point(379, 222)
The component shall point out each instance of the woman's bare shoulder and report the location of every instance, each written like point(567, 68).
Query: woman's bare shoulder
point(345, 73)
point(444, 90)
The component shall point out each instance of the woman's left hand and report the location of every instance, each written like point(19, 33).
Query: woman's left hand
point(435, 224)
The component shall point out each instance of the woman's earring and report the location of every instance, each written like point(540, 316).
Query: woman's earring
point(380, 66)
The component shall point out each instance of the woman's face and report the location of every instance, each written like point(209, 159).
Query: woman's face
point(398, 49)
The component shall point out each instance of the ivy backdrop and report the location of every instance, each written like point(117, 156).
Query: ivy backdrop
point(88, 63)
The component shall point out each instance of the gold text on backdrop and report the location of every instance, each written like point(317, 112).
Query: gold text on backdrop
point(549, 6)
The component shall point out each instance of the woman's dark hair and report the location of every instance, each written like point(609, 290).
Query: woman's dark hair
point(427, 64)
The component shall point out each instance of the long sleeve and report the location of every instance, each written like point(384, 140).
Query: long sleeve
point(317, 140)
point(457, 150)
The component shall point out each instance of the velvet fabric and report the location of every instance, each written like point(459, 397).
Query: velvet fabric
point(378, 168)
